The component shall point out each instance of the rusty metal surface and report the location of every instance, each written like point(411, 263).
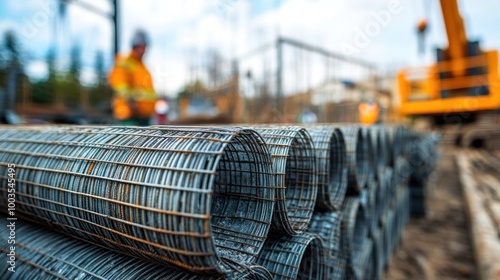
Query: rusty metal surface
point(331, 166)
point(294, 257)
point(294, 173)
point(192, 198)
point(44, 254)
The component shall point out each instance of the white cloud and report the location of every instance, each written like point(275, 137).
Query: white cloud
point(181, 31)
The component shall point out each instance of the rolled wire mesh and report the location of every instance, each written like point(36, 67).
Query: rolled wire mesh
point(364, 263)
point(378, 254)
point(354, 235)
point(374, 208)
point(383, 194)
point(293, 170)
point(396, 140)
point(327, 226)
point(44, 254)
point(371, 153)
point(358, 157)
point(381, 148)
point(331, 167)
point(294, 257)
point(198, 199)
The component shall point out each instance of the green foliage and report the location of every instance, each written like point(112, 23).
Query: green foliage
point(191, 89)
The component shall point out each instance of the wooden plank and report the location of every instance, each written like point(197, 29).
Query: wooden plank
point(484, 232)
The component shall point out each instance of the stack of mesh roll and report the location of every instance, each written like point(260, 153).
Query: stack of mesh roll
point(326, 201)
point(422, 158)
point(200, 200)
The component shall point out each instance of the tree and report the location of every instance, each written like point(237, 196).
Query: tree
point(75, 64)
point(11, 46)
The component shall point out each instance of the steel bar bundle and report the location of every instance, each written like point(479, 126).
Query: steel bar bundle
point(331, 167)
point(358, 157)
point(44, 254)
point(294, 257)
point(327, 226)
point(294, 173)
point(197, 199)
point(354, 235)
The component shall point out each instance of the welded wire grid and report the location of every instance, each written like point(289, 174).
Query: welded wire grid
point(378, 254)
point(44, 254)
point(371, 153)
point(294, 257)
point(358, 157)
point(354, 235)
point(191, 198)
point(294, 170)
point(327, 226)
point(378, 134)
point(331, 166)
point(396, 139)
point(374, 208)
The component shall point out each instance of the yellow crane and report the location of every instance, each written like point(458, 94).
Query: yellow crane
point(463, 81)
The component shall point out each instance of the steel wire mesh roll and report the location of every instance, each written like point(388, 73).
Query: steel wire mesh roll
point(354, 235)
point(383, 195)
point(294, 172)
point(374, 208)
point(44, 254)
point(378, 255)
point(396, 140)
point(358, 157)
point(327, 226)
point(381, 146)
point(363, 263)
point(294, 257)
point(372, 153)
point(193, 198)
point(331, 167)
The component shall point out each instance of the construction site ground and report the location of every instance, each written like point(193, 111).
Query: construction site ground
point(439, 245)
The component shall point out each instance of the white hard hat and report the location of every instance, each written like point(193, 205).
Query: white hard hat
point(140, 38)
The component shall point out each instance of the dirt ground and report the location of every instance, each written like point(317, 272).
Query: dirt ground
point(437, 247)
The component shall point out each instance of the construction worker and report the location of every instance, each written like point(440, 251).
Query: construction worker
point(134, 99)
point(368, 112)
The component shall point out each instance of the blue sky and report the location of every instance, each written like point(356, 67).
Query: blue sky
point(182, 30)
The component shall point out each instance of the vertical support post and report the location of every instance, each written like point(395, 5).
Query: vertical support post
point(279, 73)
point(116, 32)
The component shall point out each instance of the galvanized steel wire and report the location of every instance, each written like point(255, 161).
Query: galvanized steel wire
point(192, 198)
point(294, 173)
point(205, 198)
point(44, 254)
point(354, 232)
point(294, 257)
point(358, 157)
point(331, 167)
point(327, 226)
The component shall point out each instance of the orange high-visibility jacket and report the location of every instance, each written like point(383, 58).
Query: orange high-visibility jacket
point(368, 112)
point(131, 80)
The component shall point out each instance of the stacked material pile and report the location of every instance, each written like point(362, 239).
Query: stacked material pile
point(263, 202)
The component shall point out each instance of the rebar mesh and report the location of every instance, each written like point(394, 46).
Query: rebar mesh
point(45, 254)
point(294, 257)
point(378, 253)
point(331, 167)
point(381, 148)
point(294, 170)
point(358, 157)
point(193, 198)
point(396, 139)
point(354, 235)
point(327, 226)
point(371, 154)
